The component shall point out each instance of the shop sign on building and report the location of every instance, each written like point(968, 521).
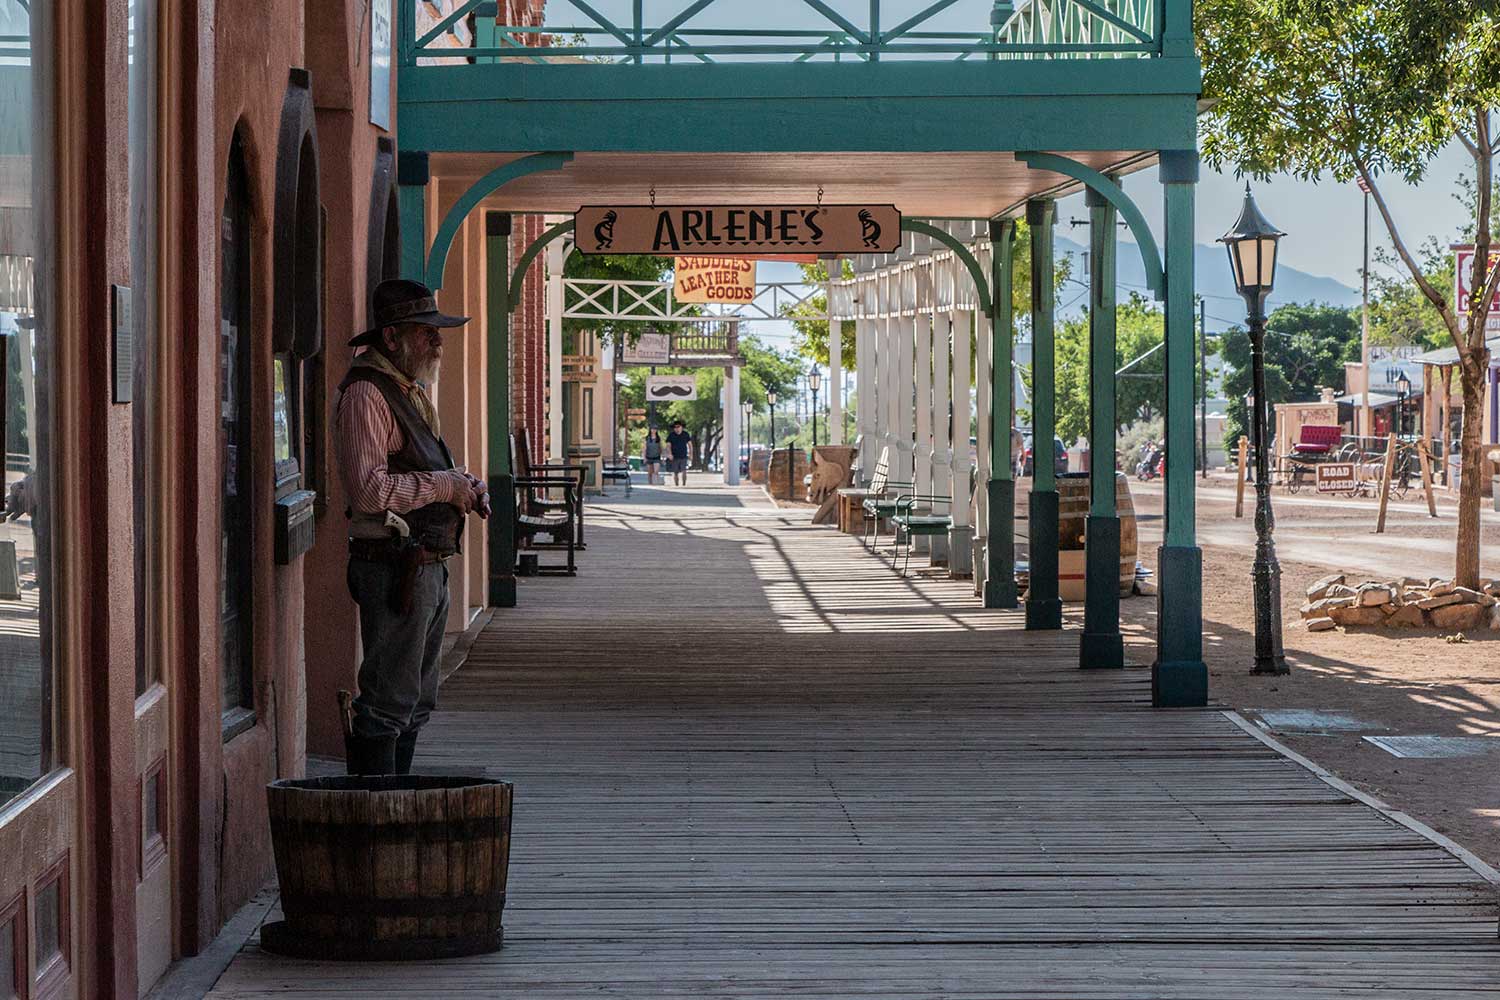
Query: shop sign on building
point(737, 229)
point(713, 279)
point(1337, 477)
point(380, 63)
point(649, 349)
point(671, 388)
point(1463, 276)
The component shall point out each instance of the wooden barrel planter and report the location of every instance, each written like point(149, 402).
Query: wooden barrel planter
point(389, 867)
point(1073, 508)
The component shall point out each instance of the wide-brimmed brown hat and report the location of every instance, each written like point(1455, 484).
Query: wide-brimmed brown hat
point(399, 300)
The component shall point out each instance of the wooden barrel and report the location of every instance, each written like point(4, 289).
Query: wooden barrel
point(389, 866)
point(1073, 509)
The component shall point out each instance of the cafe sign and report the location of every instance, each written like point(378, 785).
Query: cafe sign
point(737, 229)
point(713, 279)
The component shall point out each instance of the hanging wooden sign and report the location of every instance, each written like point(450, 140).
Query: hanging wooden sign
point(737, 229)
point(713, 279)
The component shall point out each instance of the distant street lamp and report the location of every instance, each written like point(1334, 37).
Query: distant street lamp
point(1403, 393)
point(1252, 256)
point(771, 400)
point(815, 380)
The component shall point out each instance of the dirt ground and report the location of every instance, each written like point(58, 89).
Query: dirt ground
point(1411, 682)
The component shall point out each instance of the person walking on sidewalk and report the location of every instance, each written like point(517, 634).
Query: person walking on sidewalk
point(407, 505)
point(652, 456)
point(680, 441)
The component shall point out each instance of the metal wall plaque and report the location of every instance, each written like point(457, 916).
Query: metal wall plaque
point(122, 339)
point(737, 229)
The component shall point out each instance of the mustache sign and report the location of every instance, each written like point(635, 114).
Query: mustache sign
point(671, 388)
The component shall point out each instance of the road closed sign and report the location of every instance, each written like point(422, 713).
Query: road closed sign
point(1337, 477)
point(671, 388)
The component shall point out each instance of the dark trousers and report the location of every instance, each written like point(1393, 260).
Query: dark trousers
point(398, 677)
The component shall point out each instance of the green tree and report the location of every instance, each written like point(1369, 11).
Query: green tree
point(1306, 348)
point(1138, 393)
point(1369, 89)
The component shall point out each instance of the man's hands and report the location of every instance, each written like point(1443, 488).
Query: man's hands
point(470, 493)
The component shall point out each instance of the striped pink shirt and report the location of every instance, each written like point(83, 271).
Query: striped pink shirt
point(365, 436)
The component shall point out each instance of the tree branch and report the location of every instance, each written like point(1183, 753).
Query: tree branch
point(1433, 295)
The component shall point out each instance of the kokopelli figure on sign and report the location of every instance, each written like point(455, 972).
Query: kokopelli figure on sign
point(869, 229)
point(604, 232)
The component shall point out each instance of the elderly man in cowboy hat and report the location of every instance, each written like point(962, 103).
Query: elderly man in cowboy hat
point(407, 504)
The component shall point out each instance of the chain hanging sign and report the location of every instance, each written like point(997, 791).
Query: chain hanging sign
point(713, 279)
point(671, 388)
point(737, 229)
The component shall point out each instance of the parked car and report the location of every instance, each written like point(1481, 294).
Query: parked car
point(1059, 462)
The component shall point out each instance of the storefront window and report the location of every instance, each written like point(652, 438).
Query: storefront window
point(26, 181)
point(143, 243)
point(234, 444)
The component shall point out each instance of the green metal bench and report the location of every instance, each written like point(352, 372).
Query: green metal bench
point(879, 503)
point(911, 522)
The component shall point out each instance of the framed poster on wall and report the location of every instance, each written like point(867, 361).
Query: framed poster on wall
point(380, 63)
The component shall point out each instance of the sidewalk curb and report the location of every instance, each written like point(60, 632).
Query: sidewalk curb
point(1481, 867)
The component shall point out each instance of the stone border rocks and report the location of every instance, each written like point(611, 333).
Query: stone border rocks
point(1404, 602)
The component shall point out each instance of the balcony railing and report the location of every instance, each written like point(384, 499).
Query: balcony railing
point(696, 32)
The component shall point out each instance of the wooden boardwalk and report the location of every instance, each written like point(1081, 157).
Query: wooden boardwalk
point(750, 761)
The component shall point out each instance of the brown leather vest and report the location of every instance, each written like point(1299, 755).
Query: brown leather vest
point(437, 526)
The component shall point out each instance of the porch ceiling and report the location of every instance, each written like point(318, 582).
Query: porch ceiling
point(922, 185)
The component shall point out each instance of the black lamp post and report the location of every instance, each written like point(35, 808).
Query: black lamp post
point(815, 380)
point(1252, 256)
point(771, 402)
point(1403, 393)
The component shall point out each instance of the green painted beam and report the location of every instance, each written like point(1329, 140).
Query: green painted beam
point(1000, 533)
point(412, 175)
point(518, 275)
point(437, 256)
point(1116, 196)
point(1043, 606)
point(1101, 645)
point(1179, 677)
point(947, 239)
point(501, 525)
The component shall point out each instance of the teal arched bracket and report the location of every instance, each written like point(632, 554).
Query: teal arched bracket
point(947, 239)
point(437, 256)
point(1116, 196)
point(518, 275)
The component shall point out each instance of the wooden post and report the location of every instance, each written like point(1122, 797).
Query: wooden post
point(1426, 458)
point(1445, 380)
point(1239, 483)
point(1385, 481)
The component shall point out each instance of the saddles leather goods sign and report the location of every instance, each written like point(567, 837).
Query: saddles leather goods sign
point(737, 229)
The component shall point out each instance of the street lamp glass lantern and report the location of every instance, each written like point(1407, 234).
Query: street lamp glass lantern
point(1252, 253)
point(771, 398)
point(1403, 385)
point(815, 379)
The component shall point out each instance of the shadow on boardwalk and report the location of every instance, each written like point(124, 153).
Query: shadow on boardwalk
point(750, 761)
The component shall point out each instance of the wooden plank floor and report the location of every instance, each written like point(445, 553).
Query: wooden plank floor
point(750, 761)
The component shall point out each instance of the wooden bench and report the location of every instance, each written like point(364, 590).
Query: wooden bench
point(541, 501)
point(910, 521)
point(851, 518)
point(615, 472)
point(879, 502)
point(538, 512)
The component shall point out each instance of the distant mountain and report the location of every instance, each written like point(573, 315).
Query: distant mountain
point(1214, 282)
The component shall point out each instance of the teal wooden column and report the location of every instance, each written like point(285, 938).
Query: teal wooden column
point(1043, 606)
point(1179, 676)
point(412, 175)
point(501, 479)
point(1101, 644)
point(1000, 533)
